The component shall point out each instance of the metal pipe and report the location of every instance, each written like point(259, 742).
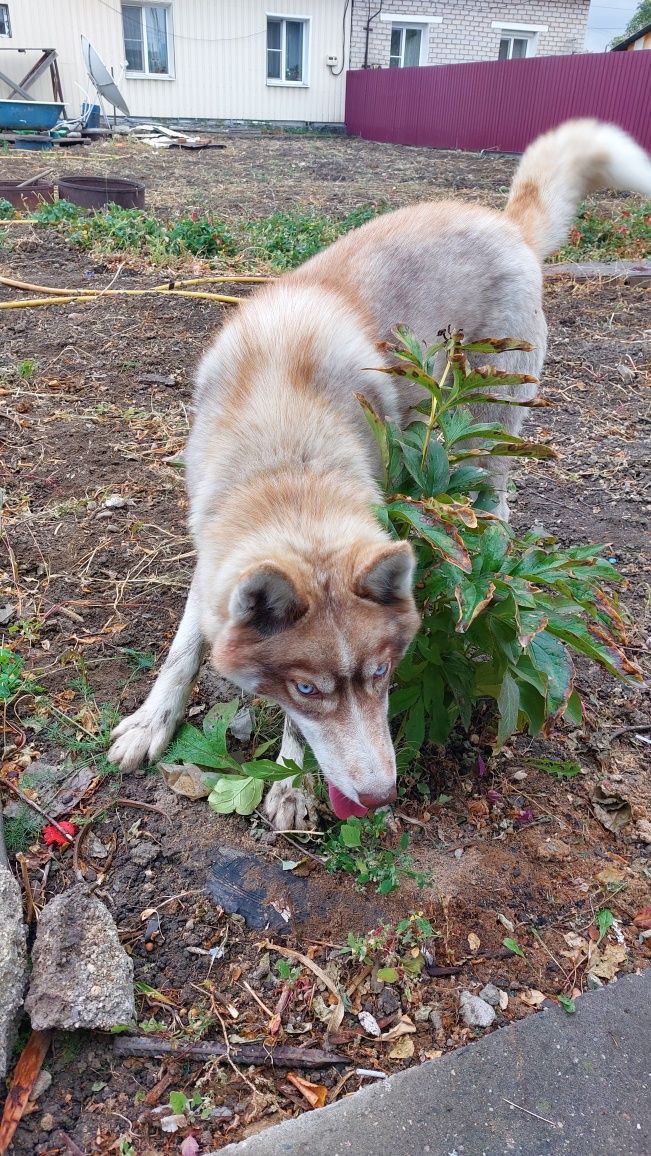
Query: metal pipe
point(368, 30)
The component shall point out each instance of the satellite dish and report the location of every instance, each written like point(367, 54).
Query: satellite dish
point(101, 77)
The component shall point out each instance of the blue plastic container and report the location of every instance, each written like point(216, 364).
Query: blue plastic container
point(37, 116)
point(91, 119)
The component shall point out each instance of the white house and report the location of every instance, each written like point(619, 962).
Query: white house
point(267, 60)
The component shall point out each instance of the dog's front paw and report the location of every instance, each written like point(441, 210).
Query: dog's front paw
point(288, 808)
point(141, 737)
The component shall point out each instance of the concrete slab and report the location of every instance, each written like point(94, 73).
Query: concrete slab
point(581, 1083)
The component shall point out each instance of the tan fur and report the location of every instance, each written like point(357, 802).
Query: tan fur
point(296, 581)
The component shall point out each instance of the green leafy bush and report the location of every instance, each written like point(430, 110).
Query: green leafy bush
point(501, 615)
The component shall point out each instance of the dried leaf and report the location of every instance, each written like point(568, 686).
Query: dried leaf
point(188, 780)
point(71, 792)
point(610, 808)
point(474, 942)
point(533, 997)
point(404, 1027)
point(611, 876)
point(403, 1049)
point(315, 1094)
point(605, 964)
point(643, 919)
point(189, 1147)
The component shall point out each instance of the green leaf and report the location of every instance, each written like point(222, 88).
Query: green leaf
point(567, 1004)
point(216, 722)
point(508, 703)
point(495, 345)
point(553, 661)
point(269, 771)
point(514, 946)
point(430, 529)
point(189, 745)
point(378, 429)
point(178, 1102)
point(604, 920)
point(234, 793)
point(574, 709)
point(387, 975)
point(350, 834)
point(559, 768)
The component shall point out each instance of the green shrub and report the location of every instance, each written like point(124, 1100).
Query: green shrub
point(501, 615)
point(598, 236)
point(289, 239)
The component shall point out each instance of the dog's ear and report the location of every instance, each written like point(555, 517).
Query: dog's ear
point(266, 599)
point(388, 576)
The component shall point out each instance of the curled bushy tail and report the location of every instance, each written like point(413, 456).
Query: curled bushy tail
point(561, 167)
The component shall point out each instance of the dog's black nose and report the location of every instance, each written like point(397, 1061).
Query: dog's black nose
point(375, 801)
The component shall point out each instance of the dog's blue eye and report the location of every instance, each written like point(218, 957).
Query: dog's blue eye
point(381, 670)
point(306, 688)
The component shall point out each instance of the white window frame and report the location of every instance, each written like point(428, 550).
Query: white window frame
point(5, 9)
point(403, 26)
point(306, 21)
point(509, 30)
point(169, 31)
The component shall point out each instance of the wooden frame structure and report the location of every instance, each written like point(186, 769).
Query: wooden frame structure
point(47, 60)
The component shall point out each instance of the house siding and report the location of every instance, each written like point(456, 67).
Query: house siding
point(219, 58)
point(465, 32)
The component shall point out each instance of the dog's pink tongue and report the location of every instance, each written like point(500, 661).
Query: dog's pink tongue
point(343, 807)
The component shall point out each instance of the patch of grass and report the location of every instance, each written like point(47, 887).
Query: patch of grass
point(22, 829)
point(598, 236)
point(283, 240)
point(288, 239)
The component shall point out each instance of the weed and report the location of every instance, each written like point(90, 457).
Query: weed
point(14, 680)
point(559, 768)
point(21, 828)
point(599, 237)
point(288, 239)
point(240, 789)
point(25, 369)
point(7, 210)
point(398, 949)
point(56, 213)
point(28, 629)
point(358, 848)
point(286, 972)
point(500, 614)
point(604, 920)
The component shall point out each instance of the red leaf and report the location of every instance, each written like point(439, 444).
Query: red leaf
point(52, 837)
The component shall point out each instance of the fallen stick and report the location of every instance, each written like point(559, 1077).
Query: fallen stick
point(24, 1078)
point(282, 1057)
point(82, 299)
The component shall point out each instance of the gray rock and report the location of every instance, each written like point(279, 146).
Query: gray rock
point(389, 1002)
point(475, 1011)
point(143, 853)
point(41, 1086)
point(436, 1019)
point(13, 964)
point(490, 994)
point(241, 726)
point(422, 1013)
point(82, 977)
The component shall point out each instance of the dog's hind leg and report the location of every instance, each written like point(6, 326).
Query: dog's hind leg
point(146, 733)
point(286, 807)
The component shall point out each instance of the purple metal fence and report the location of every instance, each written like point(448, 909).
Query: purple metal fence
point(501, 104)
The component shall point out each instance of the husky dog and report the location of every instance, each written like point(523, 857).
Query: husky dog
point(298, 592)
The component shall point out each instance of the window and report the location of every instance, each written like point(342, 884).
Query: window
point(518, 40)
point(5, 23)
point(406, 46)
point(287, 48)
point(514, 46)
point(146, 29)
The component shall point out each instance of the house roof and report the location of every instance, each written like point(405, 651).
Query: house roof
point(623, 44)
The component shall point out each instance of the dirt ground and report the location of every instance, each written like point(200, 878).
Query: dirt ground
point(513, 853)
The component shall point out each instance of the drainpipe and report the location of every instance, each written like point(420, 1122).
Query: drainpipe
point(368, 32)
